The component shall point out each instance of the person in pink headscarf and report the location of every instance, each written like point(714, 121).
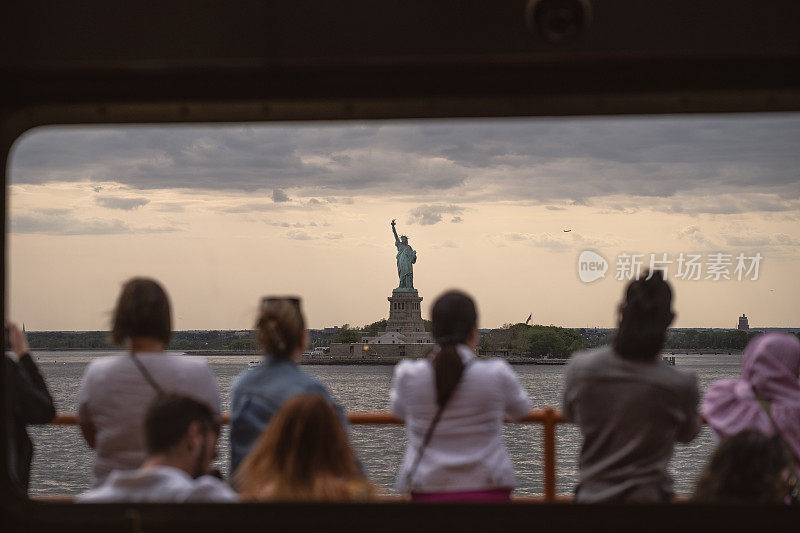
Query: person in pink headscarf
point(769, 382)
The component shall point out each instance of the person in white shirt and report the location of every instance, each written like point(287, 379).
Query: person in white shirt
point(454, 406)
point(181, 436)
point(116, 390)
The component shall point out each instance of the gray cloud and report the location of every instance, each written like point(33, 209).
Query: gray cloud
point(782, 238)
point(546, 161)
point(427, 215)
point(120, 202)
point(249, 207)
point(751, 240)
point(298, 235)
point(170, 207)
point(560, 242)
point(65, 224)
point(54, 211)
point(456, 220)
point(728, 204)
point(279, 196)
point(59, 225)
point(735, 237)
point(333, 236)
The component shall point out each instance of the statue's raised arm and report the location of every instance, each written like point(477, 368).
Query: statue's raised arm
point(396, 238)
point(406, 257)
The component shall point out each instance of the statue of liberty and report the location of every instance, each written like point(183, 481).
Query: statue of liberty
point(406, 257)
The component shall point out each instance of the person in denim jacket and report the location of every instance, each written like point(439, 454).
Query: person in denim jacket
point(258, 393)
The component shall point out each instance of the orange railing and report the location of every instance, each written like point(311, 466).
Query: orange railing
point(549, 418)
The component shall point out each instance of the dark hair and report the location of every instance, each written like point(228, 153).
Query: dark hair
point(746, 468)
point(645, 316)
point(454, 317)
point(142, 310)
point(303, 454)
point(168, 418)
point(280, 326)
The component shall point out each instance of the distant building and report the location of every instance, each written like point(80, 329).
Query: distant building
point(743, 324)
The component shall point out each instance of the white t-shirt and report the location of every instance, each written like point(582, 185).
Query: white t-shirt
point(114, 396)
point(466, 451)
point(158, 484)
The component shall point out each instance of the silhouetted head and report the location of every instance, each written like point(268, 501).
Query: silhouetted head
point(280, 328)
point(748, 467)
point(304, 453)
point(142, 311)
point(183, 429)
point(454, 320)
point(644, 317)
point(404, 239)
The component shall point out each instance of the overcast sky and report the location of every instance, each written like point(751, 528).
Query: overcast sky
point(225, 214)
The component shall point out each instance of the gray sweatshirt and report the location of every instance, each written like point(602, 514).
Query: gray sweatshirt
point(630, 414)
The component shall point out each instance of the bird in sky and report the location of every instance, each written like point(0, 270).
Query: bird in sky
point(567, 230)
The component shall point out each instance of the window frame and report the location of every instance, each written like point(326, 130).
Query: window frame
point(243, 65)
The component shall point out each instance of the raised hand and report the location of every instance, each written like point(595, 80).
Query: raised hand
point(19, 344)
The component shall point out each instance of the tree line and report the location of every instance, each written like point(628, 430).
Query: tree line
point(518, 339)
point(536, 340)
point(181, 340)
point(347, 334)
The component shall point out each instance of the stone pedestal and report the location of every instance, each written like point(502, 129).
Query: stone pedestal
point(405, 313)
point(405, 334)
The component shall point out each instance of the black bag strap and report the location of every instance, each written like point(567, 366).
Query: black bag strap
point(149, 378)
point(429, 432)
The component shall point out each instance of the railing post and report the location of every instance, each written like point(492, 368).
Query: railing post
point(549, 455)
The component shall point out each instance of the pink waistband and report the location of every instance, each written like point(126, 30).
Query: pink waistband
point(486, 496)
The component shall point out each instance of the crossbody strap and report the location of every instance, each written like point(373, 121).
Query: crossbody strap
point(143, 371)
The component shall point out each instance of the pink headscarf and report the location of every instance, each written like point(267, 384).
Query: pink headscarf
point(770, 365)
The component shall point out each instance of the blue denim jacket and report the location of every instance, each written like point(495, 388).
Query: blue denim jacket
point(258, 393)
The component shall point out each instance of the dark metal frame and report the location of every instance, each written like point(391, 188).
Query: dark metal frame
point(113, 61)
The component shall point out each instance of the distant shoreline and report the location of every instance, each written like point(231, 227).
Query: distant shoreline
point(325, 360)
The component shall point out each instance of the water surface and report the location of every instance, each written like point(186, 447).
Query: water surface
point(62, 461)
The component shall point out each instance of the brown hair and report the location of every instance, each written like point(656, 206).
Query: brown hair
point(280, 326)
point(303, 454)
point(748, 468)
point(645, 316)
point(167, 420)
point(453, 319)
point(142, 310)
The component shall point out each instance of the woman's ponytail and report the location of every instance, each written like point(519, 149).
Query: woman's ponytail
point(448, 367)
point(454, 318)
